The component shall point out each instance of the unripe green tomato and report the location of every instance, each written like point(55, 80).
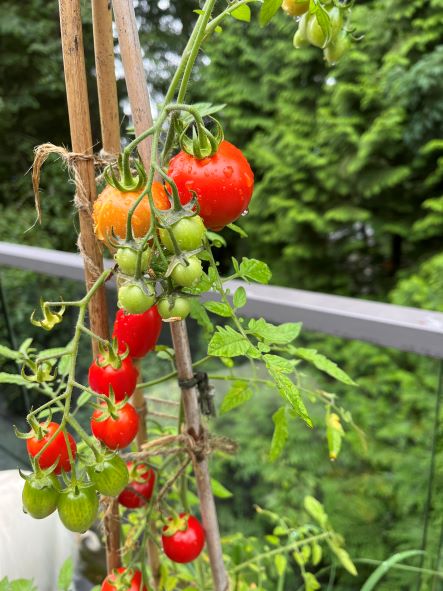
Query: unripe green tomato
point(110, 476)
point(126, 259)
point(294, 8)
point(78, 507)
point(188, 232)
point(299, 40)
point(134, 299)
point(40, 496)
point(187, 276)
point(314, 32)
point(179, 308)
point(334, 50)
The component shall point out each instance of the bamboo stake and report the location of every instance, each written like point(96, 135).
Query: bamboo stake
point(81, 138)
point(110, 132)
point(142, 116)
point(105, 70)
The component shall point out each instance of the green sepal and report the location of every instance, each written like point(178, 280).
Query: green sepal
point(203, 143)
point(50, 319)
point(125, 181)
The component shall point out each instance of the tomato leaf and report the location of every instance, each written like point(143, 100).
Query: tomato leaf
point(289, 391)
point(279, 363)
point(279, 335)
point(240, 299)
point(323, 364)
point(242, 13)
point(280, 562)
point(237, 229)
point(343, 557)
point(218, 308)
point(268, 10)
point(311, 583)
point(17, 585)
point(10, 378)
point(254, 270)
point(200, 315)
point(8, 353)
point(227, 342)
point(219, 490)
point(238, 394)
point(65, 575)
point(281, 433)
point(316, 511)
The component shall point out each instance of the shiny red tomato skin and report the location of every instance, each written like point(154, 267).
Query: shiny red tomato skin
point(136, 581)
point(57, 449)
point(223, 184)
point(137, 494)
point(119, 432)
point(140, 332)
point(123, 380)
point(185, 546)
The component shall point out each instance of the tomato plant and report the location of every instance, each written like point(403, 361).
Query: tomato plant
point(56, 451)
point(110, 475)
point(135, 298)
point(115, 428)
point(138, 332)
point(295, 7)
point(119, 374)
point(223, 183)
point(78, 507)
point(126, 259)
point(174, 308)
point(187, 275)
point(183, 538)
point(140, 487)
point(123, 579)
point(188, 233)
point(40, 495)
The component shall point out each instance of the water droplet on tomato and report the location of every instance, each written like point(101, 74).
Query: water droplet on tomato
point(228, 171)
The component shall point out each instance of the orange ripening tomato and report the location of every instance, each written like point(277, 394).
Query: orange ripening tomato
point(111, 209)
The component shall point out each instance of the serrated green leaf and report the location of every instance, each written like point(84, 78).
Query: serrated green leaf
point(227, 342)
point(8, 353)
point(238, 394)
point(237, 229)
point(219, 308)
point(200, 315)
point(280, 435)
point(316, 510)
point(83, 398)
point(289, 391)
point(65, 575)
point(64, 365)
point(242, 13)
point(278, 363)
point(343, 557)
point(280, 562)
point(323, 364)
point(268, 10)
point(10, 378)
point(240, 299)
point(254, 270)
point(219, 490)
point(282, 334)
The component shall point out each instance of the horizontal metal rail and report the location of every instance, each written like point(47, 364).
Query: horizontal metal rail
point(388, 325)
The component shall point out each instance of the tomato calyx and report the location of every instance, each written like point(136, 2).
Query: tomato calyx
point(126, 180)
point(50, 318)
point(109, 355)
point(175, 524)
point(41, 478)
point(108, 406)
point(137, 471)
point(203, 143)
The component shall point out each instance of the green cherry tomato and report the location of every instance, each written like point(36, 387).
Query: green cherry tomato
point(299, 40)
point(179, 308)
point(134, 299)
point(188, 233)
point(109, 476)
point(315, 34)
point(334, 50)
point(187, 276)
point(78, 507)
point(126, 259)
point(40, 495)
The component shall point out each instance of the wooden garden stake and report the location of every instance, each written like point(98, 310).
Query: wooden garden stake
point(110, 132)
point(142, 116)
point(81, 139)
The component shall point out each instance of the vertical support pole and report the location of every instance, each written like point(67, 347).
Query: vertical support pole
point(81, 139)
point(142, 117)
point(110, 132)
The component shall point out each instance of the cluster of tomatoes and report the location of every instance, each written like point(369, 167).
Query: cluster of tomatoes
point(221, 183)
point(322, 28)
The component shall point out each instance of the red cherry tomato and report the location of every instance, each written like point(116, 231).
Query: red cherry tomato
point(140, 332)
point(223, 184)
point(123, 379)
point(140, 487)
point(121, 578)
point(116, 432)
point(183, 539)
point(56, 450)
